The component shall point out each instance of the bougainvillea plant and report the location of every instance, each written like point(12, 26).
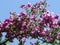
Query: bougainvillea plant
point(35, 22)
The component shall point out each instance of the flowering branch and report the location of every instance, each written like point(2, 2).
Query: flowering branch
point(37, 22)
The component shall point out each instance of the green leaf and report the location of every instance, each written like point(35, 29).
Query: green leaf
point(12, 27)
point(58, 29)
point(36, 23)
point(7, 42)
point(37, 43)
point(21, 43)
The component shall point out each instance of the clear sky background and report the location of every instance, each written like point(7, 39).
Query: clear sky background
point(7, 6)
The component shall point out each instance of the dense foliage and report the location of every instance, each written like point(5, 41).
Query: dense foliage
point(35, 22)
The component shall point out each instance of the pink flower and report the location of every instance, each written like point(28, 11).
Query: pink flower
point(32, 16)
point(7, 26)
point(6, 20)
point(44, 31)
point(24, 40)
point(59, 23)
point(11, 18)
point(36, 19)
point(22, 6)
point(56, 17)
point(24, 23)
point(29, 5)
point(28, 25)
point(22, 13)
point(58, 34)
point(1, 25)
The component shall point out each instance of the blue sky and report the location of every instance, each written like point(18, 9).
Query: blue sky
point(7, 6)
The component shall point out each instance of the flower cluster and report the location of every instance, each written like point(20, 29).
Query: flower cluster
point(36, 22)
